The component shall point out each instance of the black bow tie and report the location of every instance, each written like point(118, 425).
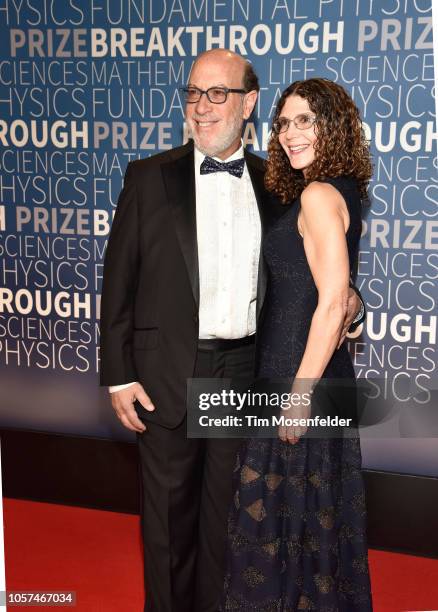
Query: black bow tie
point(235, 167)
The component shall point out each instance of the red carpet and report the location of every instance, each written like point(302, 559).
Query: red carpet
point(98, 555)
point(95, 553)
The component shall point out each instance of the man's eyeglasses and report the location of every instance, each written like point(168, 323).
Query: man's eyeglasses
point(215, 95)
point(301, 122)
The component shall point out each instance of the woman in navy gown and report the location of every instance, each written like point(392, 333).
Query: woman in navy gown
point(297, 537)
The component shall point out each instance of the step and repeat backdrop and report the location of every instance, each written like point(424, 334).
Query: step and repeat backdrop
point(85, 87)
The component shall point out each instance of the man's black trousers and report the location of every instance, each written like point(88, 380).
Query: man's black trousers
point(186, 495)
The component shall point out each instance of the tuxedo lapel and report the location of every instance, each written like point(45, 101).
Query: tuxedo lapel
point(256, 173)
point(179, 179)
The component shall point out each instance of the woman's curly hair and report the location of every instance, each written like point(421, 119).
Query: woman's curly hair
point(340, 147)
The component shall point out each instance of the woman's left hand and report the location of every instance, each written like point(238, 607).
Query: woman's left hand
point(299, 408)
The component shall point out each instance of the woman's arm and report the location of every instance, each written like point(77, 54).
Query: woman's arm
point(323, 221)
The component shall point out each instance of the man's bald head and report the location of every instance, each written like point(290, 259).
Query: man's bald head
point(239, 65)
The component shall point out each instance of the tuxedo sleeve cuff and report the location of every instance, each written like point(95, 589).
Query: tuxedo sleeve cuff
point(360, 317)
point(120, 387)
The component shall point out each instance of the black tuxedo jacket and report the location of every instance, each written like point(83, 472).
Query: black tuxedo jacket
point(150, 295)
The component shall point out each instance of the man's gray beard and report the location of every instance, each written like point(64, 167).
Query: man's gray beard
point(216, 148)
point(221, 144)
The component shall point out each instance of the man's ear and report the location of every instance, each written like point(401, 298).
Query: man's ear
point(249, 103)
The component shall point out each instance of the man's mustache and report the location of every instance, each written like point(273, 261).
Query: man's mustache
point(203, 118)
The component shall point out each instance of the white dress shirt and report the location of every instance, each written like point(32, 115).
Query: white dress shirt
point(228, 234)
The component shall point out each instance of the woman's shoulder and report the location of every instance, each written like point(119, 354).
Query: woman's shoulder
point(320, 200)
point(335, 193)
point(332, 188)
point(318, 189)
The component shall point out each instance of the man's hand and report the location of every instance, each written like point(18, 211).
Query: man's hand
point(353, 309)
point(123, 404)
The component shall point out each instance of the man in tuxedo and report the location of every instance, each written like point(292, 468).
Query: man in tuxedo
point(183, 288)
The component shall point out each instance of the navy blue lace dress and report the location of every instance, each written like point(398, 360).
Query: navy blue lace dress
point(296, 538)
